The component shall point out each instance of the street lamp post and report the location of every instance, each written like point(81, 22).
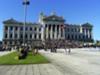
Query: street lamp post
point(25, 3)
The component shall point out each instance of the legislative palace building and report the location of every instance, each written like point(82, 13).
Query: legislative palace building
point(51, 27)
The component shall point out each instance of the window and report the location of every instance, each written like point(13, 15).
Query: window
point(26, 36)
point(10, 42)
point(68, 29)
point(72, 37)
point(83, 37)
point(35, 29)
point(21, 28)
point(11, 28)
point(76, 37)
point(21, 36)
point(86, 36)
point(46, 25)
point(39, 29)
point(86, 30)
point(15, 35)
point(75, 30)
point(5, 42)
point(21, 42)
point(6, 35)
point(16, 28)
point(35, 36)
point(90, 36)
point(10, 35)
point(6, 28)
point(26, 28)
point(30, 36)
point(68, 37)
point(15, 42)
point(79, 37)
point(39, 36)
point(30, 28)
point(57, 27)
point(72, 30)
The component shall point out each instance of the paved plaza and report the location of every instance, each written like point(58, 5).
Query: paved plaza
point(85, 61)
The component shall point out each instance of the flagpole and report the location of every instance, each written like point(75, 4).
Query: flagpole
point(25, 3)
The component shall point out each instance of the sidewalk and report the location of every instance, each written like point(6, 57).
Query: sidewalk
point(79, 62)
point(38, 69)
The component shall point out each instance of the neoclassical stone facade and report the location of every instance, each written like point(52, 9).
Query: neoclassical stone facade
point(48, 27)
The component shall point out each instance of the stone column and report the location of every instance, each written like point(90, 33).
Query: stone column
point(89, 33)
point(47, 32)
point(59, 32)
point(42, 33)
point(13, 33)
point(32, 36)
point(55, 31)
point(37, 35)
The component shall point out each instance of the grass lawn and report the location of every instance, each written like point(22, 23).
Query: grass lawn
point(12, 59)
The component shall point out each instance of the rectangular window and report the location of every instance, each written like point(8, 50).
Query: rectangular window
point(10, 35)
point(26, 36)
point(30, 36)
point(46, 25)
point(11, 28)
point(35, 36)
point(39, 36)
point(57, 28)
point(21, 28)
point(6, 28)
point(35, 29)
point(16, 28)
point(30, 28)
point(26, 28)
point(21, 36)
point(6, 35)
point(39, 29)
point(72, 30)
point(68, 29)
point(15, 35)
point(10, 42)
point(5, 42)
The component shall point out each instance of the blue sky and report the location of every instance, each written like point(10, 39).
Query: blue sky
point(74, 12)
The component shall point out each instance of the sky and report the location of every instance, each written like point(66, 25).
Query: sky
point(73, 11)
